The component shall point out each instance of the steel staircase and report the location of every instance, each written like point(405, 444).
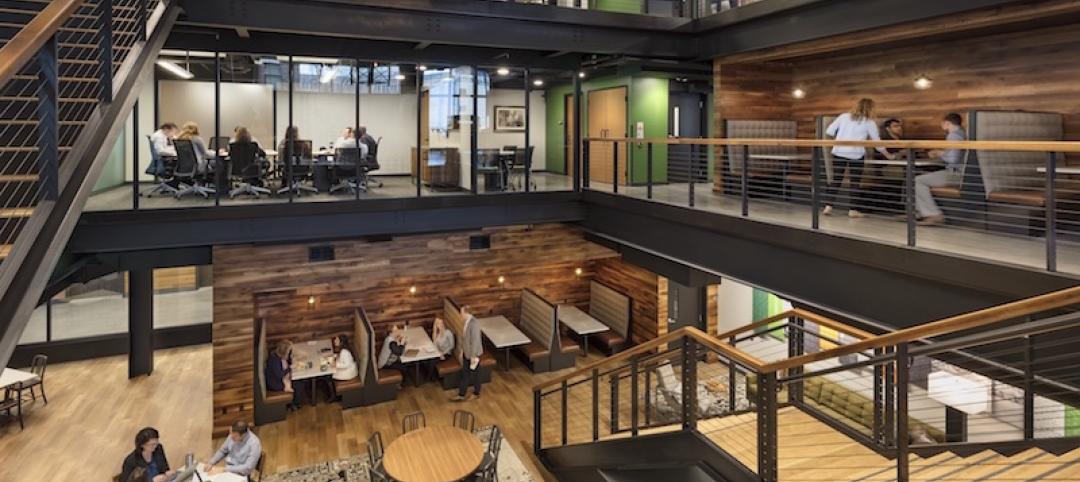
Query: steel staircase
point(69, 77)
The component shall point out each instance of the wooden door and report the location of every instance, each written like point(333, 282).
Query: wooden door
point(568, 134)
point(607, 119)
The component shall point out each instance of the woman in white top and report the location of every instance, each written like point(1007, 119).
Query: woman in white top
point(345, 366)
point(857, 125)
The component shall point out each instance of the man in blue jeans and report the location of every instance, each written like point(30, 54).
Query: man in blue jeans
point(472, 346)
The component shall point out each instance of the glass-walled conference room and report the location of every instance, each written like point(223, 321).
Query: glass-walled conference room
point(233, 129)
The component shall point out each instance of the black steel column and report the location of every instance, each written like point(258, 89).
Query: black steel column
point(48, 121)
point(1051, 212)
point(745, 180)
point(614, 401)
point(1029, 392)
point(578, 178)
point(648, 173)
point(689, 384)
point(796, 347)
point(767, 429)
point(564, 415)
point(909, 188)
point(615, 165)
point(356, 121)
point(288, 142)
point(528, 158)
point(474, 137)
point(878, 428)
point(902, 412)
point(220, 173)
point(419, 133)
point(140, 322)
point(815, 188)
point(105, 50)
point(537, 420)
point(135, 155)
point(595, 404)
point(634, 396)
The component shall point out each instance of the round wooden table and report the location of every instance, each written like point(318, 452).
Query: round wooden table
point(434, 454)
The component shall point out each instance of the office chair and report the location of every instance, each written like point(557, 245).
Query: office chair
point(523, 158)
point(373, 160)
point(164, 176)
point(218, 143)
point(187, 167)
point(413, 421)
point(352, 173)
point(246, 169)
point(296, 152)
point(375, 458)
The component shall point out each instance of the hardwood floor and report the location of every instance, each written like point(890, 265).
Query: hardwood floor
point(94, 411)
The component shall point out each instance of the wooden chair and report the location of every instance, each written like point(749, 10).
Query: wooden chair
point(413, 421)
point(13, 400)
point(489, 468)
point(37, 367)
point(465, 420)
point(375, 458)
point(259, 467)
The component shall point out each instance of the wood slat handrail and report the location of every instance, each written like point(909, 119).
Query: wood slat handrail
point(1027, 146)
point(644, 348)
point(29, 40)
point(944, 326)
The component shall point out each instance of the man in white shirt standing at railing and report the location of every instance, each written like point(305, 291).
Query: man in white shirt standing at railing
point(925, 205)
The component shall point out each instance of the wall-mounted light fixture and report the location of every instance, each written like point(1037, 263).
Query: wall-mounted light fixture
point(412, 290)
point(502, 279)
point(798, 93)
point(923, 82)
point(577, 271)
point(311, 302)
point(581, 75)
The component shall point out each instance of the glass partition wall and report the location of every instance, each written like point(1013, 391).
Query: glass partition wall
point(260, 128)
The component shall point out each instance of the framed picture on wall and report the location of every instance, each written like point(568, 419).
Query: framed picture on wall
point(509, 118)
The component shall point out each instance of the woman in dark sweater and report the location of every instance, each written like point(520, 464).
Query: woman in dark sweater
point(149, 456)
point(279, 372)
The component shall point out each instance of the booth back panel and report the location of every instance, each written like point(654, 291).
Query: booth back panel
point(759, 129)
point(1008, 171)
point(537, 318)
point(364, 344)
point(641, 285)
point(610, 307)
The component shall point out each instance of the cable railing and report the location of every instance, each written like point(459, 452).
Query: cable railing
point(799, 396)
point(1009, 201)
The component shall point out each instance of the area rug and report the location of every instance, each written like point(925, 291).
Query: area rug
point(355, 469)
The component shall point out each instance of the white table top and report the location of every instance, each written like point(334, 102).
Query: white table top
point(501, 332)
point(579, 321)
point(219, 477)
point(417, 339)
point(1060, 170)
point(903, 162)
point(11, 376)
point(780, 157)
point(314, 351)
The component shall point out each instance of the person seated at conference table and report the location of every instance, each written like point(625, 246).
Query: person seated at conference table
point(292, 133)
point(369, 142)
point(149, 457)
point(392, 349)
point(161, 143)
point(241, 451)
point(190, 131)
point(243, 135)
point(348, 141)
point(236, 135)
point(926, 207)
point(137, 475)
point(444, 344)
point(279, 372)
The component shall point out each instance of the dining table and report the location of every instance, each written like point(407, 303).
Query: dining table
point(582, 324)
point(438, 453)
point(418, 349)
point(503, 335)
point(311, 360)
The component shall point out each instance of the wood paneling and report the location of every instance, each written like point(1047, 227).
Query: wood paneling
point(607, 118)
point(642, 286)
point(377, 276)
point(748, 91)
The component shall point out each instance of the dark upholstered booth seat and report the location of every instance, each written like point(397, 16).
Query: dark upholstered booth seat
point(350, 391)
point(538, 321)
point(275, 398)
point(378, 385)
point(609, 341)
point(569, 346)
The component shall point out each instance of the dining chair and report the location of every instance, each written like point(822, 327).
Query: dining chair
point(413, 421)
point(375, 458)
point(37, 367)
point(465, 420)
point(489, 468)
point(13, 400)
point(259, 467)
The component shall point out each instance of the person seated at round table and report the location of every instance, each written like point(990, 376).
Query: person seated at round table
point(392, 349)
point(149, 456)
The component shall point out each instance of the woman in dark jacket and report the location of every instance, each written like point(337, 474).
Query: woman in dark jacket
point(149, 456)
point(279, 373)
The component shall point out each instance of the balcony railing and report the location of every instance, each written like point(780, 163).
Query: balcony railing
point(1016, 202)
point(663, 8)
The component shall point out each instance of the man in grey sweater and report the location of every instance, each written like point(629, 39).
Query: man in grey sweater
point(929, 212)
point(472, 346)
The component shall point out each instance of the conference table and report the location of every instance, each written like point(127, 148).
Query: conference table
point(581, 323)
point(503, 335)
point(418, 348)
point(312, 359)
point(433, 454)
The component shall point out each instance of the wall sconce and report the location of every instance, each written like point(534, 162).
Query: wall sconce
point(412, 290)
point(311, 302)
point(502, 279)
point(798, 93)
point(923, 82)
point(577, 271)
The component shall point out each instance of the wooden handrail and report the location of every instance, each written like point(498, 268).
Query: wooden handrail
point(831, 323)
point(1028, 146)
point(755, 325)
point(698, 335)
point(28, 41)
point(944, 326)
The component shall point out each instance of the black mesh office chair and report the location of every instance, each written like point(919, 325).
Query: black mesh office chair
point(164, 175)
point(350, 171)
point(187, 170)
point(246, 169)
point(522, 158)
point(372, 163)
point(218, 143)
point(297, 161)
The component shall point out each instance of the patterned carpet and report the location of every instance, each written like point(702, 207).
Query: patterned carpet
point(355, 469)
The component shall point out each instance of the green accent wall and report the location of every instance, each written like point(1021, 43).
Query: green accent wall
point(623, 6)
point(113, 173)
point(766, 304)
point(647, 102)
point(1072, 421)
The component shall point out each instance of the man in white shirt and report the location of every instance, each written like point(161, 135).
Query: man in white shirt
point(857, 125)
point(161, 143)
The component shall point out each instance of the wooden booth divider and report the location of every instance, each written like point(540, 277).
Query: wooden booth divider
point(269, 406)
point(539, 321)
point(449, 370)
point(613, 309)
point(385, 382)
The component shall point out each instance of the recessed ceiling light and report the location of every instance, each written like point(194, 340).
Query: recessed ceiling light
point(581, 75)
point(174, 69)
point(421, 68)
point(538, 82)
point(503, 71)
point(399, 77)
